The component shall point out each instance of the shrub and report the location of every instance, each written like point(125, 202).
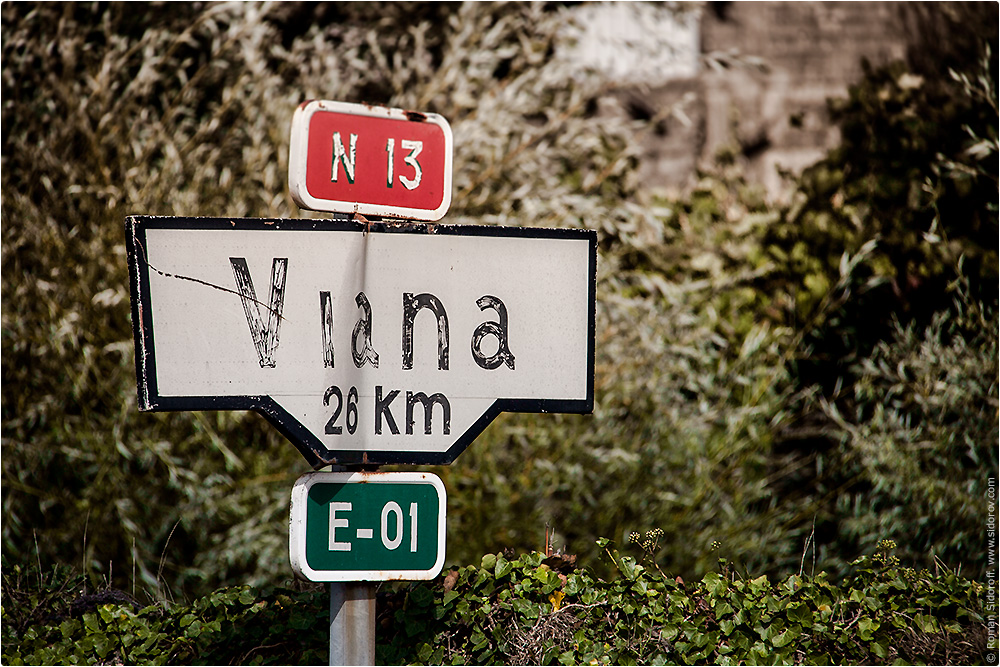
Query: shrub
point(918, 440)
point(915, 174)
point(538, 609)
point(722, 320)
point(898, 363)
point(185, 110)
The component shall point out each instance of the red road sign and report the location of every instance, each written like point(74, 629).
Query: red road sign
point(355, 158)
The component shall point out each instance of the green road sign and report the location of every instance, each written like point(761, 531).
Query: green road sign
point(367, 526)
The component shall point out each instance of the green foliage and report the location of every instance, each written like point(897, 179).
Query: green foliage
point(690, 385)
point(919, 439)
point(886, 263)
point(105, 115)
point(525, 611)
point(915, 174)
point(535, 609)
point(229, 626)
point(745, 395)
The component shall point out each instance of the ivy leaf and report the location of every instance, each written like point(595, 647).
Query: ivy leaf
point(424, 652)
point(630, 568)
point(489, 562)
point(866, 626)
point(421, 596)
point(926, 623)
point(503, 567)
point(714, 583)
point(784, 638)
point(91, 622)
point(526, 608)
point(799, 613)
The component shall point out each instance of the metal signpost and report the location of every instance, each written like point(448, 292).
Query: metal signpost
point(365, 341)
point(361, 527)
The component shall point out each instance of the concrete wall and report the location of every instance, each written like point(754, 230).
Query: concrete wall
point(760, 65)
point(812, 51)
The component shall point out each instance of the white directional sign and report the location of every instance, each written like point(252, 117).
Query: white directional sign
point(363, 344)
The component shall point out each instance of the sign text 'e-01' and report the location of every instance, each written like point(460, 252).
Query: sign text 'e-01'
point(367, 526)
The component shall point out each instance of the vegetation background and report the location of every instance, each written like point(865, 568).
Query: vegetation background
point(783, 385)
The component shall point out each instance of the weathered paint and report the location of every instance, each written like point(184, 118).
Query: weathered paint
point(370, 160)
point(537, 286)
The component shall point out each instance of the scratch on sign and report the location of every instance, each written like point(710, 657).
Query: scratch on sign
point(244, 296)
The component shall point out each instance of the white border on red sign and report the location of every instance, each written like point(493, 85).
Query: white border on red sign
point(297, 526)
point(298, 152)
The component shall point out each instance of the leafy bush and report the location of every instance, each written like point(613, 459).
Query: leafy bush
point(898, 364)
point(916, 174)
point(185, 110)
point(682, 422)
point(723, 324)
point(526, 612)
point(920, 440)
point(537, 609)
point(229, 626)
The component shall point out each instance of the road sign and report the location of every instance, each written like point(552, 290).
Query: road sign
point(355, 158)
point(395, 346)
point(367, 526)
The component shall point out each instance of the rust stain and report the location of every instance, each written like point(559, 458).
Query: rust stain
point(332, 461)
point(391, 218)
point(415, 116)
point(144, 403)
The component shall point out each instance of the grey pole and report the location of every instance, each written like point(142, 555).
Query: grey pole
point(352, 623)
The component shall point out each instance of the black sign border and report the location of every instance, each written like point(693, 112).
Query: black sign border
point(308, 445)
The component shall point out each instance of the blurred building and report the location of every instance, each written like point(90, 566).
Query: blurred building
point(748, 78)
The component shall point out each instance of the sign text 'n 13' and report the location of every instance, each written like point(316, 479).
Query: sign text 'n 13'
point(367, 526)
point(355, 158)
point(395, 346)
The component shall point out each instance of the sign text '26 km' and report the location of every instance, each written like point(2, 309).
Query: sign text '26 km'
point(394, 346)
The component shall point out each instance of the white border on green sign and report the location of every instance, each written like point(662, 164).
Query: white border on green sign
point(297, 526)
